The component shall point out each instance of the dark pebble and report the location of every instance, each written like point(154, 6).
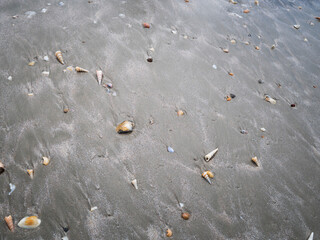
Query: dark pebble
point(260, 81)
point(232, 95)
point(149, 59)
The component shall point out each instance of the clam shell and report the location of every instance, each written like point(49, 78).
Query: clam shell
point(9, 223)
point(185, 215)
point(29, 222)
point(255, 161)
point(1, 168)
point(32, 63)
point(125, 127)
point(46, 161)
point(99, 76)
point(79, 69)
point(169, 233)
point(30, 172)
point(58, 55)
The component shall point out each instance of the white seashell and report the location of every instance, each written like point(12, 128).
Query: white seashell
point(296, 26)
point(46, 58)
point(45, 73)
point(65, 238)
point(10, 78)
point(12, 188)
point(311, 236)
point(134, 182)
point(29, 222)
point(93, 208)
point(181, 205)
point(210, 155)
point(263, 129)
point(99, 76)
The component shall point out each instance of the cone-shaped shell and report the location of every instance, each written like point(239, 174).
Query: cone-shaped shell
point(206, 177)
point(211, 154)
point(30, 172)
point(1, 167)
point(58, 55)
point(125, 127)
point(46, 161)
point(9, 223)
point(29, 222)
point(134, 182)
point(169, 233)
point(79, 69)
point(311, 236)
point(255, 161)
point(99, 76)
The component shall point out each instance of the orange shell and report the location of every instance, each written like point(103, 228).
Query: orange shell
point(257, 48)
point(33, 220)
point(9, 223)
point(146, 25)
point(228, 98)
point(210, 174)
point(231, 74)
point(180, 113)
point(246, 11)
point(125, 127)
point(169, 232)
point(30, 172)
point(185, 215)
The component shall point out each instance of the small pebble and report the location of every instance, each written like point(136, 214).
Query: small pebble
point(44, 10)
point(109, 85)
point(170, 149)
point(46, 58)
point(174, 31)
point(61, 4)
point(114, 94)
point(146, 25)
point(214, 66)
point(65, 110)
point(305, 39)
point(232, 95)
point(121, 15)
point(45, 73)
point(293, 105)
point(15, 16)
point(10, 78)
point(260, 81)
point(242, 131)
point(150, 59)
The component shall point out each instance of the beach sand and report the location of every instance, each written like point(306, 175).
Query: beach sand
point(92, 165)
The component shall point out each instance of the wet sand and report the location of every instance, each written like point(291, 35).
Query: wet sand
point(91, 165)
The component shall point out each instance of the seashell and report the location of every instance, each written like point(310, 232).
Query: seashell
point(186, 1)
point(255, 161)
point(206, 176)
point(246, 11)
point(46, 58)
point(270, 99)
point(228, 98)
point(262, 129)
point(32, 63)
point(9, 222)
point(169, 232)
point(65, 238)
point(79, 69)
point(297, 26)
point(256, 2)
point(233, 41)
point(181, 205)
point(146, 25)
point(99, 76)
point(246, 43)
point(211, 154)
point(185, 215)
point(12, 188)
point(180, 112)
point(233, 2)
point(170, 149)
point(273, 47)
point(46, 161)
point(311, 236)
point(30, 94)
point(210, 174)
point(318, 18)
point(214, 66)
point(29, 222)
point(257, 48)
point(65, 109)
point(225, 50)
point(93, 208)
point(58, 55)
point(1, 168)
point(30, 172)
point(125, 127)
point(230, 73)
point(134, 182)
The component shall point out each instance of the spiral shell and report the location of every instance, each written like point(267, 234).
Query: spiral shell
point(205, 175)
point(255, 161)
point(79, 69)
point(9, 223)
point(99, 76)
point(29, 222)
point(210, 155)
point(46, 161)
point(58, 55)
point(125, 127)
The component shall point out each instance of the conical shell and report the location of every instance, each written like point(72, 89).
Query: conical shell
point(59, 56)
point(1, 167)
point(99, 76)
point(125, 127)
point(46, 161)
point(79, 69)
point(134, 182)
point(211, 154)
point(206, 177)
point(30, 172)
point(255, 161)
point(29, 222)
point(9, 223)
point(311, 236)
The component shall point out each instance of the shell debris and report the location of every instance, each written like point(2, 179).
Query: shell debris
point(125, 127)
point(30, 173)
point(255, 161)
point(45, 161)
point(2, 169)
point(169, 232)
point(134, 182)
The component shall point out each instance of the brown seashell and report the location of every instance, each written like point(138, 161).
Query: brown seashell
point(246, 11)
point(79, 69)
point(65, 109)
point(318, 18)
point(32, 63)
point(180, 113)
point(314, 86)
point(46, 161)
point(185, 215)
point(1, 168)
point(255, 161)
point(146, 25)
point(186, 0)
point(30, 172)
point(169, 232)
point(228, 98)
point(256, 2)
point(230, 73)
point(210, 174)
point(257, 48)
point(58, 55)
point(225, 50)
point(9, 222)
point(125, 127)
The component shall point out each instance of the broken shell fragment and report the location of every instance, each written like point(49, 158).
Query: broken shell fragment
point(257, 48)
point(311, 236)
point(262, 129)
point(297, 26)
point(29, 222)
point(146, 25)
point(206, 176)
point(9, 222)
point(99, 76)
point(225, 50)
point(246, 11)
point(185, 215)
point(228, 98)
point(65, 109)
point(93, 208)
point(30, 172)
point(230, 73)
point(270, 99)
point(170, 149)
point(58, 55)
point(255, 161)
point(31, 63)
point(125, 127)
point(46, 161)
point(79, 69)
point(169, 233)
point(233, 41)
point(210, 174)
point(1, 168)
point(211, 154)
point(134, 182)
point(273, 47)
point(180, 113)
